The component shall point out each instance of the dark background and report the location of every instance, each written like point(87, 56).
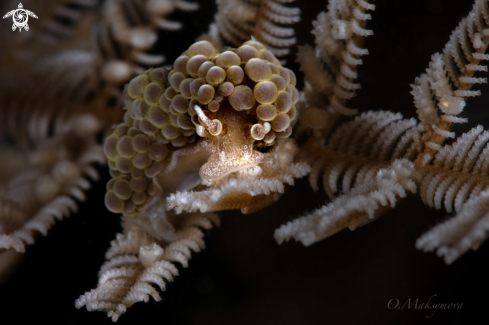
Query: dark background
point(244, 277)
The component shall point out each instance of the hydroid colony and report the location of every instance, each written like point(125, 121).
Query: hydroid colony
point(370, 162)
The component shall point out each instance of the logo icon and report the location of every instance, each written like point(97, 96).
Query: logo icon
point(20, 17)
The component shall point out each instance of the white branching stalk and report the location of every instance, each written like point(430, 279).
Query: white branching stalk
point(361, 205)
point(457, 181)
point(361, 146)
point(45, 189)
point(455, 175)
point(138, 263)
point(132, 27)
point(268, 31)
point(238, 21)
point(468, 229)
point(366, 159)
point(339, 36)
point(439, 95)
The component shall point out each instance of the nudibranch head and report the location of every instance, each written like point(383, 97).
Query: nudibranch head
point(241, 100)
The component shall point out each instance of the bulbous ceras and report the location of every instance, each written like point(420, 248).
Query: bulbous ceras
point(218, 112)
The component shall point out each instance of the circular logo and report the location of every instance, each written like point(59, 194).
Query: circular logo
point(20, 17)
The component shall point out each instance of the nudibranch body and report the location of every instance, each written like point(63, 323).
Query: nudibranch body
point(230, 105)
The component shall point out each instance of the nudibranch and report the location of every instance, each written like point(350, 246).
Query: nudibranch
point(213, 115)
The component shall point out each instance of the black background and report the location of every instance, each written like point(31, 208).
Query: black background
point(244, 277)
